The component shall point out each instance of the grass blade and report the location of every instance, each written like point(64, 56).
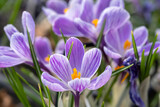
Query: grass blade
point(40, 91)
point(101, 34)
point(70, 50)
point(149, 58)
point(36, 65)
point(120, 70)
point(142, 66)
point(63, 36)
point(135, 47)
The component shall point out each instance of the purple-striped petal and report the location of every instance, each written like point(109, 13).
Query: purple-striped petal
point(125, 32)
point(73, 11)
point(111, 54)
point(113, 21)
point(8, 57)
point(42, 48)
point(10, 30)
point(28, 24)
point(77, 52)
point(141, 35)
point(53, 83)
point(101, 80)
point(57, 5)
point(67, 26)
point(90, 63)
point(118, 3)
point(18, 44)
point(60, 47)
point(61, 67)
point(100, 6)
point(87, 10)
point(148, 47)
point(87, 29)
point(79, 84)
point(113, 41)
point(51, 15)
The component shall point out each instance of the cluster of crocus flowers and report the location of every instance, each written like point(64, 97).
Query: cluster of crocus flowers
point(76, 72)
point(19, 51)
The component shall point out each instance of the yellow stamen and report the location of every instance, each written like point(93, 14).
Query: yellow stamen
point(47, 59)
point(65, 10)
point(125, 77)
point(127, 45)
point(75, 75)
point(118, 67)
point(95, 22)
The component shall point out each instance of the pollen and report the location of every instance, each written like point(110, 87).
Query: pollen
point(125, 77)
point(95, 22)
point(119, 67)
point(47, 59)
point(75, 74)
point(127, 45)
point(65, 10)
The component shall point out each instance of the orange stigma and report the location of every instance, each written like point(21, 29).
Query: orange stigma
point(95, 22)
point(47, 59)
point(127, 45)
point(119, 67)
point(125, 77)
point(65, 10)
point(75, 74)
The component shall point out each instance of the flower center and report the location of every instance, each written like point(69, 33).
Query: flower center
point(65, 10)
point(95, 22)
point(75, 74)
point(47, 59)
point(119, 67)
point(127, 45)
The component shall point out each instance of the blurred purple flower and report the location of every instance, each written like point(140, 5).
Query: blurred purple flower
point(76, 73)
point(134, 73)
point(19, 51)
point(119, 41)
point(84, 18)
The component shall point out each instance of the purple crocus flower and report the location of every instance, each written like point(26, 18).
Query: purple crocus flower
point(85, 18)
point(19, 51)
point(134, 73)
point(76, 73)
point(119, 42)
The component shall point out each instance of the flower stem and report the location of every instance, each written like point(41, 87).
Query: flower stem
point(76, 99)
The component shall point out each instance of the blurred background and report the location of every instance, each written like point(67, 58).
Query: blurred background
point(143, 12)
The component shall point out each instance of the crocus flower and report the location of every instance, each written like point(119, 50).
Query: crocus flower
point(134, 73)
point(119, 42)
point(77, 72)
point(85, 18)
point(19, 51)
point(44, 50)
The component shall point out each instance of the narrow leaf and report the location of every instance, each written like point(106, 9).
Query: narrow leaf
point(40, 91)
point(101, 34)
point(120, 70)
point(142, 66)
point(63, 36)
point(135, 47)
point(70, 50)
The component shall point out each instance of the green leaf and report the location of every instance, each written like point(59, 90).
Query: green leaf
point(135, 47)
point(101, 34)
point(102, 104)
point(15, 11)
point(63, 36)
point(49, 97)
point(71, 100)
point(36, 64)
point(120, 70)
point(149, 58)
point(17, 86)
point(27, 83)
point(40, 91)
point(55, 37)
point(142, 66)
point(70, 50)
point(153, 58)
